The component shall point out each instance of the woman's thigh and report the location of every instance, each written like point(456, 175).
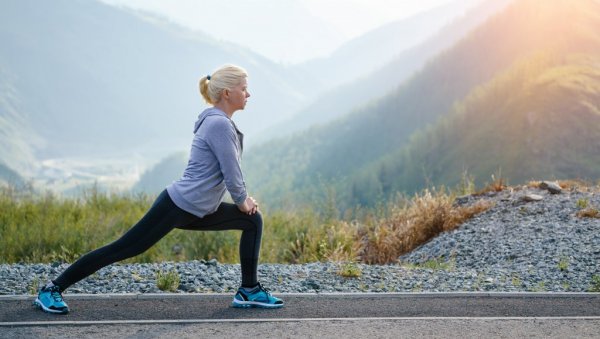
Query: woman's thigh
point(227, 217)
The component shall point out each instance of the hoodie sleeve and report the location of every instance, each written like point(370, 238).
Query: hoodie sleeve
point(222, 140)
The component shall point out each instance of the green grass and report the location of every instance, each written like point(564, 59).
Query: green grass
point(595, 285)
point(350, 270)
point(34, 286)
point(43, 227)
point(563, 264)
point(167, 281)
point(516, 281)
point(582, 203)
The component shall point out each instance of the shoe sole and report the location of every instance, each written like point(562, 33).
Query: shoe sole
point(254, 304)
point(41, 306)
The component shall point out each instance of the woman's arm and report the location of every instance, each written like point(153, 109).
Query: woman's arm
point(222, 140)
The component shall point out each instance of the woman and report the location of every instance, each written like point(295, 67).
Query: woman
point(194, 202)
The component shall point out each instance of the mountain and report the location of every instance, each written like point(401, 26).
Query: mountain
point(363, 55)
point(163, 173)
point(337, 154)
point(342, 99)
point(81, 77)
point(18, 140)
point(10, 177)
point(538, 119)
point(354, 94)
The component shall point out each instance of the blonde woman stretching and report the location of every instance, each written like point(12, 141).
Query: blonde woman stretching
point(194, 202)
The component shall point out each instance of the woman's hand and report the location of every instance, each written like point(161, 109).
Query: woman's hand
point(249, 206)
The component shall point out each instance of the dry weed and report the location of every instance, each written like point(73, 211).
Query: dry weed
point(425, 217)
point(498, 184)
point(576, 185)
point(589, 213)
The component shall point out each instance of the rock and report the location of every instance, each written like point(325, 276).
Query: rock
point(177, 249)
point(461, 200)
point(310, 283)
point(531, 197)
point(187, 288)
point(551, 187)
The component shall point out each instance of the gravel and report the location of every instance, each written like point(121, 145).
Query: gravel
point(514, 246)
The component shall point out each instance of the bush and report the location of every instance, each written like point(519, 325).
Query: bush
point(167, 281)
point(418, 221)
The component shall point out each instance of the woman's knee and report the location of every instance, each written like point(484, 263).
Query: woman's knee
point(259, 217)
point(257, 221)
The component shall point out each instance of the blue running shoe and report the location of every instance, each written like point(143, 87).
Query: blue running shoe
point(50, 300)
point(259, 297)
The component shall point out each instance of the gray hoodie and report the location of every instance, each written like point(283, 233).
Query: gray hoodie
point(214, 166)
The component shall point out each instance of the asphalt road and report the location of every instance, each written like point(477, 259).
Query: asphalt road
point(395, 315)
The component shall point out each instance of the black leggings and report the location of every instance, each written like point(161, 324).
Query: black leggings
point(162, 217)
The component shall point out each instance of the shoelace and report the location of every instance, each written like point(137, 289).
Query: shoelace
point(264, 289)
point(55, 294)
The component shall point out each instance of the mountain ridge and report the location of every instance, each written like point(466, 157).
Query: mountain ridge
point(351, 96)
point(337, 152)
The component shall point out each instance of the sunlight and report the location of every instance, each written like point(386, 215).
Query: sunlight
point(355, 17)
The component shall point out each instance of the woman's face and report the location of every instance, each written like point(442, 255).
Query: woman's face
point(238, 95)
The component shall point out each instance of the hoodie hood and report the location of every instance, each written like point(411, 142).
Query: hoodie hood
point(206, 113)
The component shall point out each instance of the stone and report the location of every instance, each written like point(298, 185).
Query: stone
point(531, 197)
point(551, 187)
point(310, 283)
point(461, 200)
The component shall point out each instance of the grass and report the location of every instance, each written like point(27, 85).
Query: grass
point(34, 286)
point(589, 212)
point(350, 270)
point(563, 264)
point(498, 184)
point(586, 210)
point(420, 219)
point(516, 281)
point(43, 227)
point(539, 287)
point(434, 264)
point(167, 281)
point(595, 285)
point(582, 203)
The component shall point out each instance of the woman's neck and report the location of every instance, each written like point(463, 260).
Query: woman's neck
point(225, 108)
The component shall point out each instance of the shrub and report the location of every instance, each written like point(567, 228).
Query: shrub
point(582, 203)
point(595, 285)
point(424, 217)
point(350, 270)
point(167, 281)
point(498, 184)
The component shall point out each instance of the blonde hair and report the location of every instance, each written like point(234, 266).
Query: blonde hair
point(226, 77)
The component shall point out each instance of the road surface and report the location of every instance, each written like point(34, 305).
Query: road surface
point(376, 315)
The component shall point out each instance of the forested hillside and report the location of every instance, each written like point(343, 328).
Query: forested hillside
point(162, 174)
point(337, 155)
point(539, 119)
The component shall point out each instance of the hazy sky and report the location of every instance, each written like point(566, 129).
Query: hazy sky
point(286, 31)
